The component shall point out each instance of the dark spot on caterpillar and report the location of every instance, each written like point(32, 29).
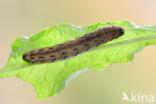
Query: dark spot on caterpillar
point(32, 54)
point(51, 48)
point(40, 57)
point(40, 50)
point(85, 44)
point(76, 51)
point(63, 52)
point(64, 57)
point(52, 56)
point(61, 44)
point(74, 47)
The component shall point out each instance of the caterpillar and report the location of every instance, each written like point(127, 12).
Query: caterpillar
point(74, 47)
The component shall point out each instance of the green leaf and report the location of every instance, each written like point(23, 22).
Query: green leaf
point(49, 78)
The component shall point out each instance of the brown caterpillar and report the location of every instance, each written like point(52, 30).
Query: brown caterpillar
point(74, 47)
